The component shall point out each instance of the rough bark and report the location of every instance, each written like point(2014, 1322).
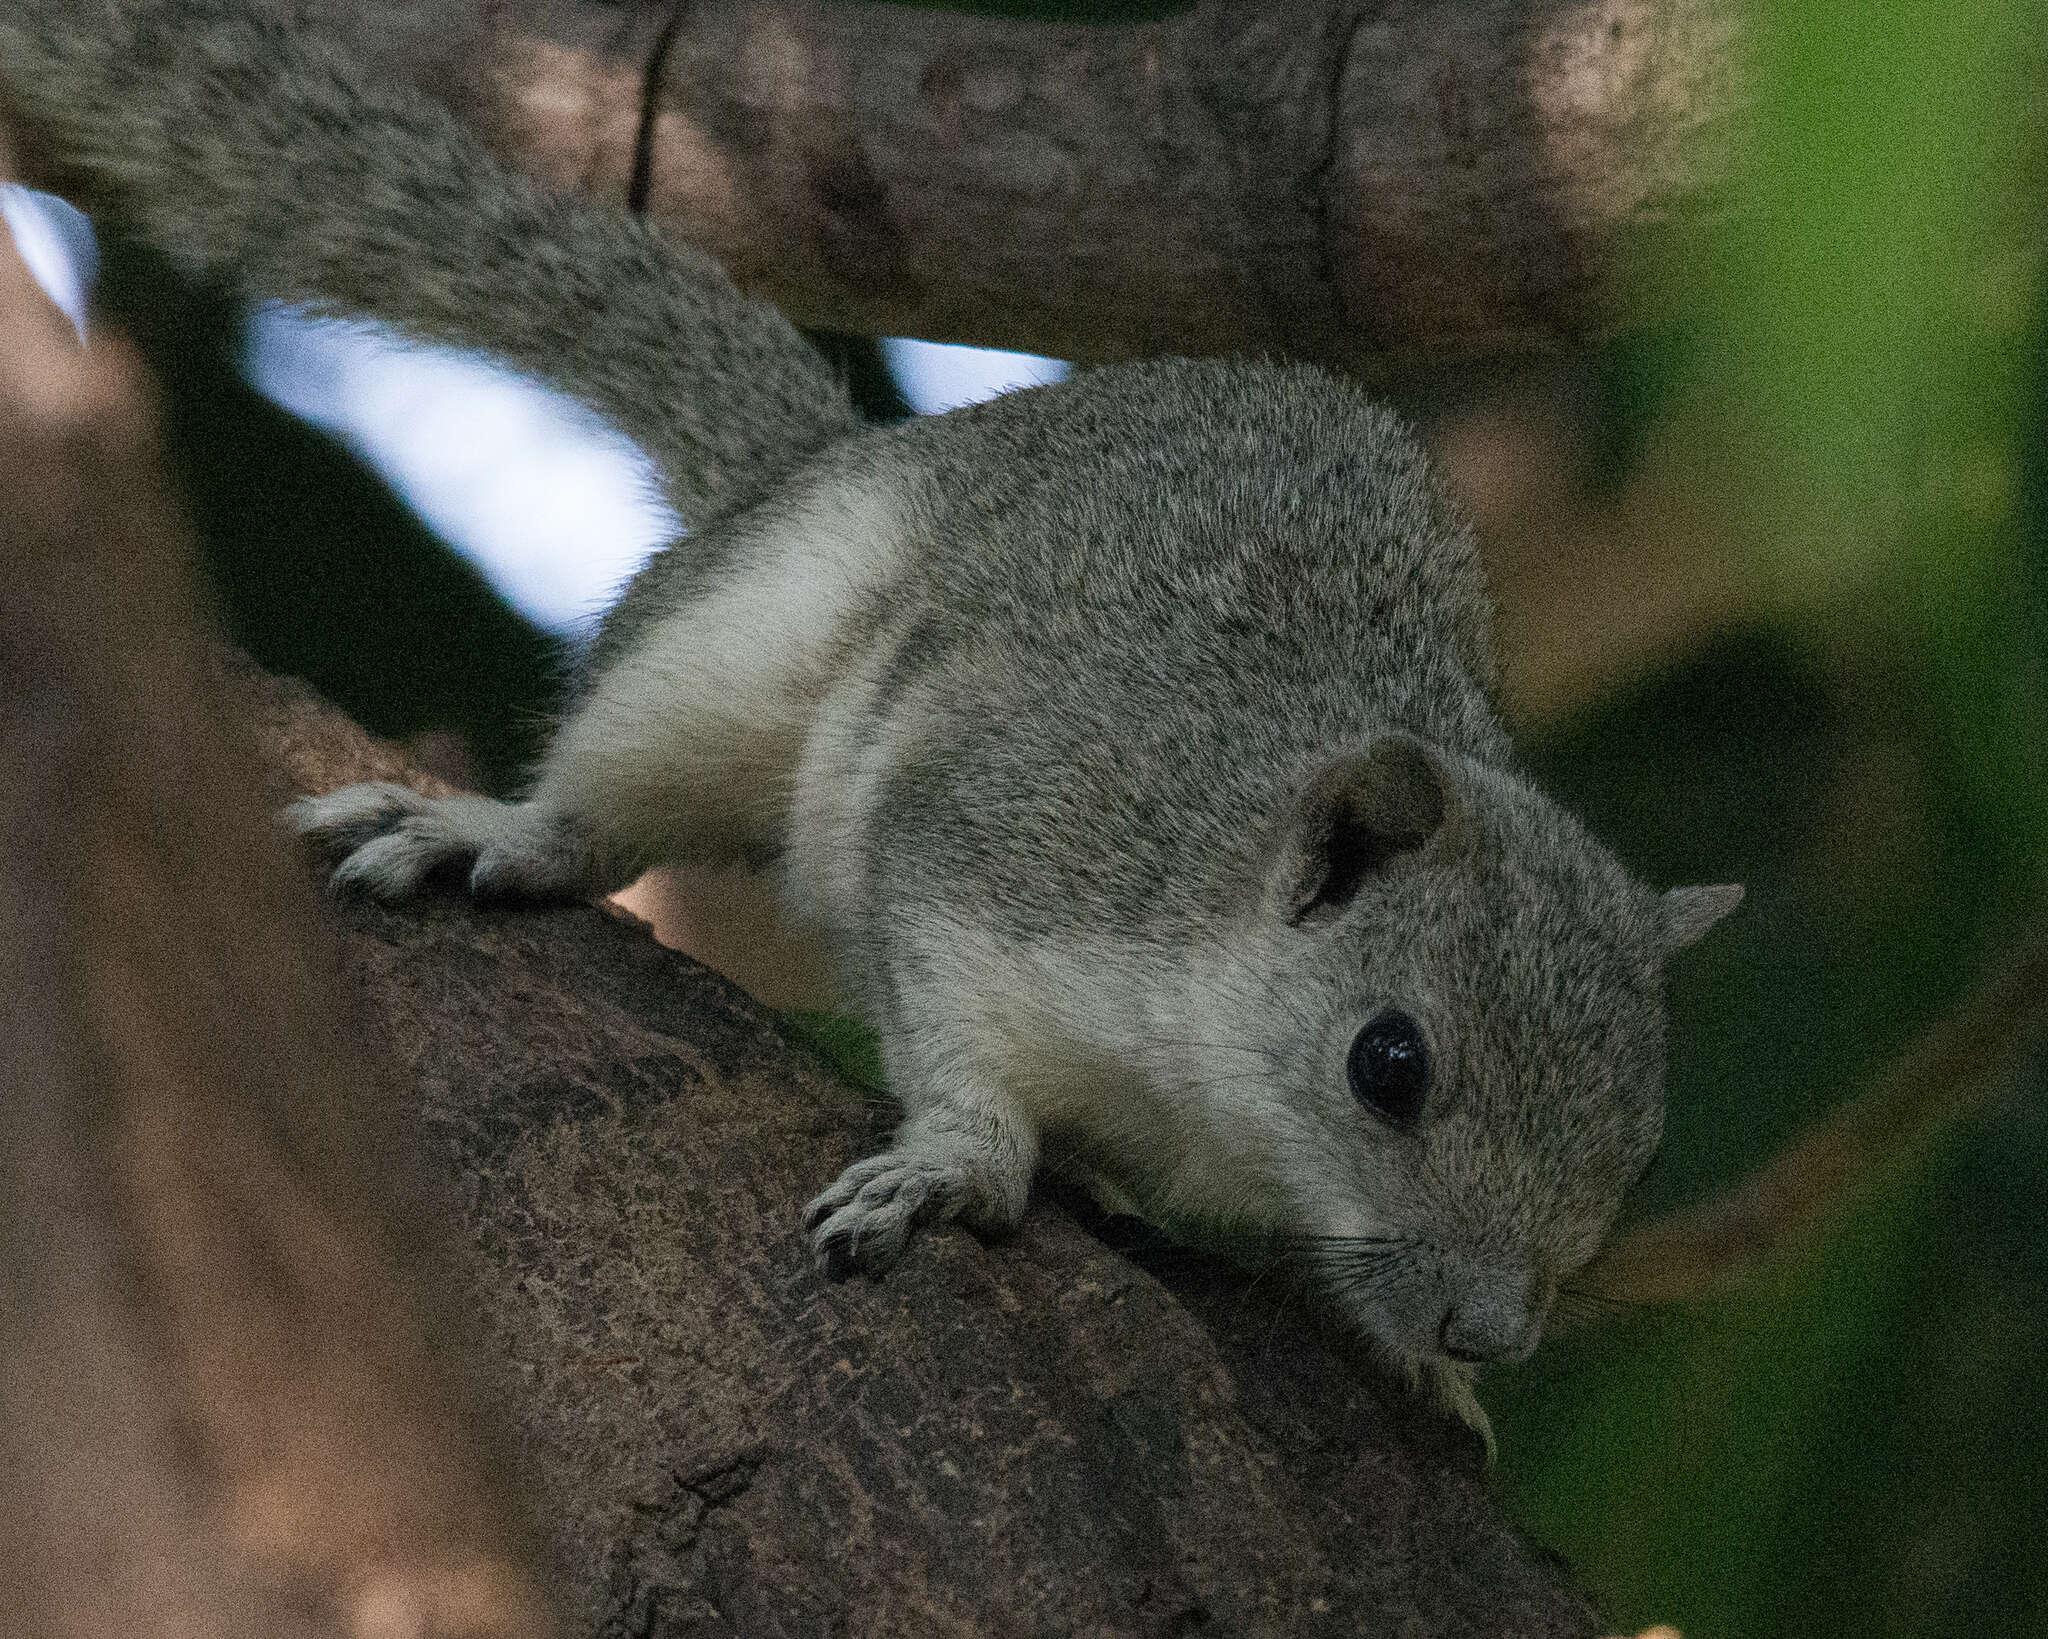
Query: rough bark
point(1388, 186)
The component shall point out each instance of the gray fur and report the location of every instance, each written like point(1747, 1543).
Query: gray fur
point(242, 139)
point(1128, 739)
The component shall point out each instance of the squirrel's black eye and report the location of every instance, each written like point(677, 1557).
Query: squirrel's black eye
point(1389, 1065)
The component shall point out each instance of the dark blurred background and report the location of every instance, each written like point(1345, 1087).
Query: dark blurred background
point(1773, 579)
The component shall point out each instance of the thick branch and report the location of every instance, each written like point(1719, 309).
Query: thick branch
point(1380, 185)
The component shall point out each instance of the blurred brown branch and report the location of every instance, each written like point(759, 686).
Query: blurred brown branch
point(1948, 1071)
point(1375, 186)
point(220, 1409)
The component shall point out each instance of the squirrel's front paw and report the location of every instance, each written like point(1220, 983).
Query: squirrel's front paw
point(954, 1160)
point(865, 1219)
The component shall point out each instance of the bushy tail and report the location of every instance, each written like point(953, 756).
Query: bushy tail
point(247, 143)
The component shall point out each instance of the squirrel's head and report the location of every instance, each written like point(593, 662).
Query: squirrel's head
point(1462, 995)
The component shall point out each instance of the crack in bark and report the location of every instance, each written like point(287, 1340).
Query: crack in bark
point(1336, 71)
point(725, 1482)
point(658, 1584)
point(640, 184)
point(1282, 155)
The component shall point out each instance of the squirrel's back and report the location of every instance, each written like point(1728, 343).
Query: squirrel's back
point(1139, 607)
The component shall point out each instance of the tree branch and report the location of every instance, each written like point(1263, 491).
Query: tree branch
point(1381, 186)
point(1947, 1072)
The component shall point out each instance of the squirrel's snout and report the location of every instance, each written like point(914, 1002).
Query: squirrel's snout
point(1500, 1322)
point(1482, 1335)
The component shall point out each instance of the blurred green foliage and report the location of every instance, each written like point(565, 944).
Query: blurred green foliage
point(1852, 1444)
point(850, 1048)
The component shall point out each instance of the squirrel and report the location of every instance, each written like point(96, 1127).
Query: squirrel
point(1128, 738)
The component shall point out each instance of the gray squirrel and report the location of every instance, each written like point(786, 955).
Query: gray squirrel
point(1128, 739)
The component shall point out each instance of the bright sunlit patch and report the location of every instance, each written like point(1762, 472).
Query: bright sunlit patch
point(56, 243)
point(551, 504)
point(555, 507)
point(935, 377)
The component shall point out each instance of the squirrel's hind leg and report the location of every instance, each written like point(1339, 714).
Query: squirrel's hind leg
point(393, 843)
point(681, 748)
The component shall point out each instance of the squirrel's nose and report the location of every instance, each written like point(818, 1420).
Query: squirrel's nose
point(1490, 1326)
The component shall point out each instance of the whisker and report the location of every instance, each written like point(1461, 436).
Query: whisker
point(1267, 987)
point(1281, 1311)
point(1253, 1048)
point(1210, 1084)
point(1376, 1283)
point(1586, 1304)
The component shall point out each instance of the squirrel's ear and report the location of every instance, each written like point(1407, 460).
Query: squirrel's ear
point(1690, 912)
point(1356, 818)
